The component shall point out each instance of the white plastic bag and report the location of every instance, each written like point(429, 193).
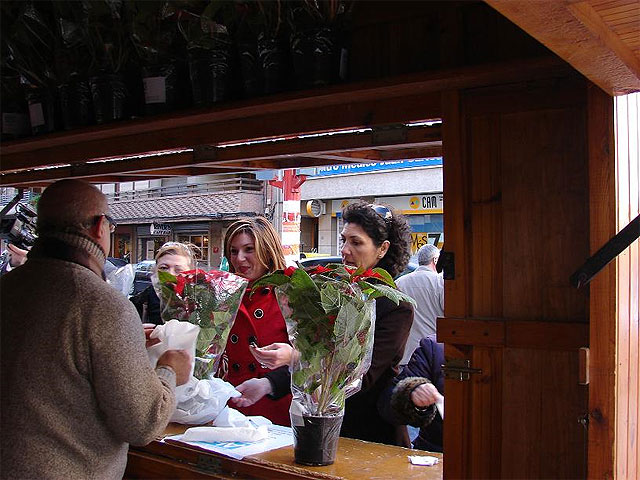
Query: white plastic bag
point(173, 335)
point(198, 401)
point(121, 278)
point(202, 401)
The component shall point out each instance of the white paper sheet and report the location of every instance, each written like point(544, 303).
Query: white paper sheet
point(278, 437)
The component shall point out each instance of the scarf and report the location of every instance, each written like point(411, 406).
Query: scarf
point(71, 247)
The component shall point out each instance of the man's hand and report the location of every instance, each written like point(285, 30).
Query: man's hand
point(148, 330)
point(425, 395)
point(180, 362)
point(274, 355)
point(17, 256)
point(252, 390)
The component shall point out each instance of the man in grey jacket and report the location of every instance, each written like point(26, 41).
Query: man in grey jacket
point(426, 287)
point(77, 386)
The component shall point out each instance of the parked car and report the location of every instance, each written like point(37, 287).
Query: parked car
point(312, 262)
point(117, 262)
point(142, 279)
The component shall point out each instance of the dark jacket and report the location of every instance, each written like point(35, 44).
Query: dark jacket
point(395, 405)
point(361, 419)
point(147, 304)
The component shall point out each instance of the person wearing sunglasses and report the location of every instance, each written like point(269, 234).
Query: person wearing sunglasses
point(373, 236)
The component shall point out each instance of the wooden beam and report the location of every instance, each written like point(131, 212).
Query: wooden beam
point(381, 102)
point(285, 153)
point(575, 32)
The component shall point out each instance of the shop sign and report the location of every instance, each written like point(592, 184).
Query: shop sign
point(416, 204)
point(160, 229)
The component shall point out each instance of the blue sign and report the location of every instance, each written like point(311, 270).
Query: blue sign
point(376, 166)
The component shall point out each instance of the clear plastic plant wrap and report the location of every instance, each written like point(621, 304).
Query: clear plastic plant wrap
point(330, 317)
point(209, 300)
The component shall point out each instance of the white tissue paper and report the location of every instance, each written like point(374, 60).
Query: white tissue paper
point(234, 427)
point(198, 401)
point(425, 460)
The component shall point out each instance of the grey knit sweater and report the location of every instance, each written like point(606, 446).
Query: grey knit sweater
point(77, 386)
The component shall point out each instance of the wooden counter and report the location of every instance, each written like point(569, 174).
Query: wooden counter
point(356, 460)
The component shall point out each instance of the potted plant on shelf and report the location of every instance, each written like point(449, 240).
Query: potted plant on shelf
point(261, 41)
point(208, 50)
point(317, 41)
point(154, 34)
point(74, 60)
point(27, 39)
point(111, 50)
point(330, 317)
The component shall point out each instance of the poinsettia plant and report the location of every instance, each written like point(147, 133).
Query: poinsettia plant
point(209, 300)
point(330, 316)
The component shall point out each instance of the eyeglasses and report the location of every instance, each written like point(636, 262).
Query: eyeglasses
point(110, 219)
point(381, 210)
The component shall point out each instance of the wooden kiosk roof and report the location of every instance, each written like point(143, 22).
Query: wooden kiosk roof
point(600, 39)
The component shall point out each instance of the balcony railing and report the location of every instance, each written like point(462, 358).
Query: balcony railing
point(213, 186)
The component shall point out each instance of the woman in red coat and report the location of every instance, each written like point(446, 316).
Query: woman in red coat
point(253, 249)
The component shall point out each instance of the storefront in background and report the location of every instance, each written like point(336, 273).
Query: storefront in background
point(424, 212)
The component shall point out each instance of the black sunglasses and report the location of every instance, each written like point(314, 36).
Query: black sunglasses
point(381, 210)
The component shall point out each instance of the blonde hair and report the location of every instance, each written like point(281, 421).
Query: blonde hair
point(186, 250)
point(267, 242)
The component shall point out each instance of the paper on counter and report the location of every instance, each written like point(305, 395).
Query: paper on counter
point(277, 437)
point(423, 460)
point(225, 434)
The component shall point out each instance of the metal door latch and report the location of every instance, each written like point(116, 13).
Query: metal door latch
point(459, 369)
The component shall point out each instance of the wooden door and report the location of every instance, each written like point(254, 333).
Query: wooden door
point(517, 221)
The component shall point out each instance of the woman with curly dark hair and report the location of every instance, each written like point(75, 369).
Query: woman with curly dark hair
point(375, 236)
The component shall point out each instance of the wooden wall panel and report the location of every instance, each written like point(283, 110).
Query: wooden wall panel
point(544, 200)
point(602, 289)
point(543, 430)
point(456, 181)
point(486, 218)
point(627, 114)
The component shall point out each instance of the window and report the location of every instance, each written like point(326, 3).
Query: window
point(199, 240)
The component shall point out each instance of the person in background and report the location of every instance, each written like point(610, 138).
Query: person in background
point(426, 287)
point(373, 236)
point(411, 398)
point(174, 258)
point(15, 257)
point(76, 381)
point(253, 249)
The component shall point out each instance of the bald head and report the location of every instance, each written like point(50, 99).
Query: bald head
point(70, 204)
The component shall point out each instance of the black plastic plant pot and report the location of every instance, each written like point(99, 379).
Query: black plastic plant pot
point(15, 115)
point(160, 88)
point(326, 57)
point(316, 442)
point(316, 57)
point(249, 68)
point(41, 110)
point(75, 102)
point(273, 62)
point(109, 96)
point(208, 72)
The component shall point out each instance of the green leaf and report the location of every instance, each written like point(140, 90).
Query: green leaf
point(396, 296)
point(166, 277)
